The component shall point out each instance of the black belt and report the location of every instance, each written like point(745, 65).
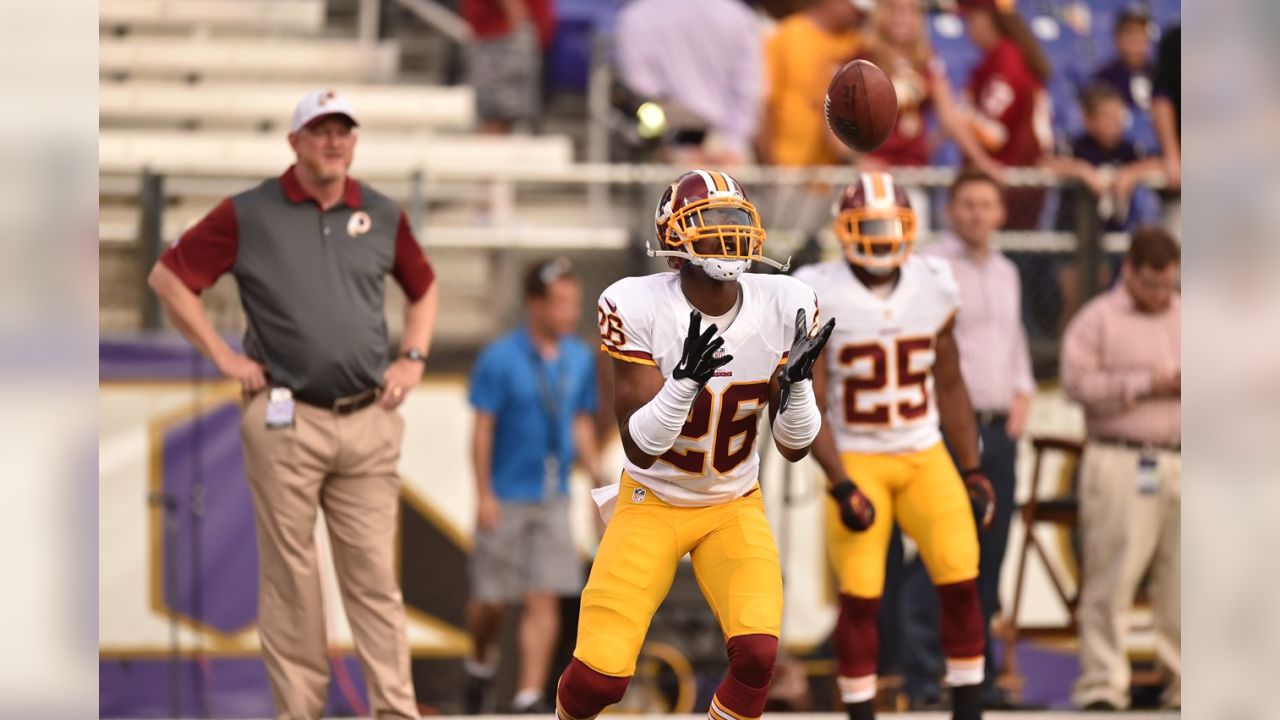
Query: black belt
point(1137, 444)
point(991, 417)
point(343, 405)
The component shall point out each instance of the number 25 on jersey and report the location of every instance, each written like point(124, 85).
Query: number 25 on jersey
point(896, 371)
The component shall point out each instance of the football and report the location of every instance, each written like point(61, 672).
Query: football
point(861, 105)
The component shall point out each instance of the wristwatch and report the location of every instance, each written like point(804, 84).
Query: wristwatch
point(414, 354)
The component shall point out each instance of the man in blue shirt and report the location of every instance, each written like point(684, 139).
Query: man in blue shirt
point(534, 394)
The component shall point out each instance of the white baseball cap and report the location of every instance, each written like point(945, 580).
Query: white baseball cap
point(320, 103)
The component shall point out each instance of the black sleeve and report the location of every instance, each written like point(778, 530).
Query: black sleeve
point(1169, 65)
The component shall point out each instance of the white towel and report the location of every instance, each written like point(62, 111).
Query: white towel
point(606, 499)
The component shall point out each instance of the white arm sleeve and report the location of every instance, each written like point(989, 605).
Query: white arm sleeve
point(655, 427)
point(798, 425)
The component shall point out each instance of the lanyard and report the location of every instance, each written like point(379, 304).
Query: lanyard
point(549, 397)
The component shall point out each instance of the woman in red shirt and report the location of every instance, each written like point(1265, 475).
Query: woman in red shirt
point(899, 44)
point(1006, 92)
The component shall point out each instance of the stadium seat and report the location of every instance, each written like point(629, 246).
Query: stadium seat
point(297, 16)
point(261, 105)
point(322, 60)
point(947, 35)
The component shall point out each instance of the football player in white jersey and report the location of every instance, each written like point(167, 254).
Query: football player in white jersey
point(697, 355)
point(889, 380)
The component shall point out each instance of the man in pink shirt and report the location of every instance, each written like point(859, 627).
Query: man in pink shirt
point(996, 365)
point(1122, 360)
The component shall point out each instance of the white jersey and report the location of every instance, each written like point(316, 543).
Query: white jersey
point(880, 396)
point(646, 319)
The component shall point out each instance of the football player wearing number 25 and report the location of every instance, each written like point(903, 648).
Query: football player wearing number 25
point(698, 354)
point(891, 377)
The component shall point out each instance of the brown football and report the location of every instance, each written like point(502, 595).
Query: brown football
point(861, 105)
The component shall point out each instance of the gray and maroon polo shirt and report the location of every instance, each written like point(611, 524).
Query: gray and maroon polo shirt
point(311, 280)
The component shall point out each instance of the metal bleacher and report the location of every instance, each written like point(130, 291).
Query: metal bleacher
point(285, 16)
point(266, 105)
point(200, 92)
point(246, 58)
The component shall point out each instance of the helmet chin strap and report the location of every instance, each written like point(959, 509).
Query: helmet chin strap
point(879, 271)
point(698, 260)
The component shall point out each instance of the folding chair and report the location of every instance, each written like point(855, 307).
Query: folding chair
point(1062, 511)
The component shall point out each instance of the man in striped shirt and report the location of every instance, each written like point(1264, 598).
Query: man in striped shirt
point(1121, 359)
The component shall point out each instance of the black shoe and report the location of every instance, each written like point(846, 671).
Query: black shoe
point(925, 703)
point(997, 700)
point(474, 691)
point(1100, 706)
point(966, 702)
point(864, 710)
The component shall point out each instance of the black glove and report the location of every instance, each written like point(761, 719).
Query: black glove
point(698, 362)
point(804, 353)
point(856, 511)
point(981, 496)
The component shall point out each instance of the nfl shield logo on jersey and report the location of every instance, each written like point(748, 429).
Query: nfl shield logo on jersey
point(637, 495)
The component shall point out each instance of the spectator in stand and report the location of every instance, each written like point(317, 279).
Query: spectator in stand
point(1132, 72)
point(1122, 360)
point(1109, 164)
point(1010, 110)
point(703, 57)
point(1166, 113)
point(804, 52)
point(505, 57)
point(898, 43)
point(800, 57)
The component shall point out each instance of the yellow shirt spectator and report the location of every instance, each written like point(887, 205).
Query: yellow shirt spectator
point(800, 59)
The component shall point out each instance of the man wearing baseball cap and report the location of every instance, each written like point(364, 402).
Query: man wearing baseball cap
point(310, 252)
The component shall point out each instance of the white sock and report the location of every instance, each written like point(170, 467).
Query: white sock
point(525, 698)
point(968, 671)
point(856, 690)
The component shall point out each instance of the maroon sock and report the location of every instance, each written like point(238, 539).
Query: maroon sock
point(856, 639)
point(582, 692)
point(743, 693)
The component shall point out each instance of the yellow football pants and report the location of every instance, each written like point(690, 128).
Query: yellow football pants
point(924, 493)
point(735, 561)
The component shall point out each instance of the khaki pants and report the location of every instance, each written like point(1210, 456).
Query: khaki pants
point(345, 464)
point(1123, 533)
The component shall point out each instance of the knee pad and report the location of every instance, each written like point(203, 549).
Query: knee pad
point(582, 692)
point(856, 639)
point(751, 659)
point(963, 634)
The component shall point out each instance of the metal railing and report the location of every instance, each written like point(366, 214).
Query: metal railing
point(501, 217)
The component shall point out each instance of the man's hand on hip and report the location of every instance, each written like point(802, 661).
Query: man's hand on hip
point(401, 377)
point(251, 375)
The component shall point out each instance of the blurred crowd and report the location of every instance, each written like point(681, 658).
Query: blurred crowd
point(979, 82)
